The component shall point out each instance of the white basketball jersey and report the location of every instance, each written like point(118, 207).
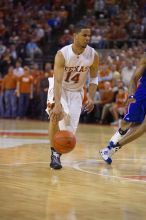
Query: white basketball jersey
point(76, 67)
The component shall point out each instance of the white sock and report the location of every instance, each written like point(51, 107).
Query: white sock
point(118, 136)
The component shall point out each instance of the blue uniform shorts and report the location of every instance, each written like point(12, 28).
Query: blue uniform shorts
point(136, 112)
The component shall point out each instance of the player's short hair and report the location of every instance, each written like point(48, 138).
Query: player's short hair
point(79, 27)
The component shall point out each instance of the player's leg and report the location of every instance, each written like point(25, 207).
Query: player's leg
point(133, 134)
point(72, 108)
point(72, 103)
point(67, 123)
point(55, 156)
point(53, 128)
point(137, 131)
point(107, 152)
point(135, 114)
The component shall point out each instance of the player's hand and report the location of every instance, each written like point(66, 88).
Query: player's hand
point(131, 99)
point(89, 105)
point(57, 113)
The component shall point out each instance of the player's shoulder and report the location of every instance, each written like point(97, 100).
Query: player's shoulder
point(94, 51)
point(95, 54)
point(65, 48)
point(89, 48)
point(64, 51)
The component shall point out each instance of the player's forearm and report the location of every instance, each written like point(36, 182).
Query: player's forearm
point(57, 92)
point(92, 90)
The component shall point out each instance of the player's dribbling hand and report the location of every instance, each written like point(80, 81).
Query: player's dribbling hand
point(57, 113)
point(89, 105)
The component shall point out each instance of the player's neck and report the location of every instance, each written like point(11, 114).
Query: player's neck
point(77, 50)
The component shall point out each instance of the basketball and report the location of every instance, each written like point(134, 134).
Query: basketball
point(64, 141)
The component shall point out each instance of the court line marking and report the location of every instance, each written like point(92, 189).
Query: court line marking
point(7, 142)
point(76, 164)
point(26, 130)
point(31, 132)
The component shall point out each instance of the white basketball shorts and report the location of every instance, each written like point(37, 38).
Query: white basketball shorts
point(72, 103)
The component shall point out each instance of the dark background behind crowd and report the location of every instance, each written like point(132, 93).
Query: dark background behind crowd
point(31, 31)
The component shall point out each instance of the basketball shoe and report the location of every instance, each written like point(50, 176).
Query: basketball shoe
point(55, 160)
point(107, 152)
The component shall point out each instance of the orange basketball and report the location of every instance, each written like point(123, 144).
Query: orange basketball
point(64, 141)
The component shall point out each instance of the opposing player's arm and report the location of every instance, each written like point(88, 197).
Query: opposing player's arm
point(58, 76)
point(137, 75)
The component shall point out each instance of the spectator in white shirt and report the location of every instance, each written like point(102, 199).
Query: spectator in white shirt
point(127, 72)
point(18, 71)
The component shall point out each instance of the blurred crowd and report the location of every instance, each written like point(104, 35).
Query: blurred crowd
point(23, 91)
point(28, 29)
point(114, 23)
point(114, 74)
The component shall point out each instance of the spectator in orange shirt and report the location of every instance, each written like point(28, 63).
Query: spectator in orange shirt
point(106, 96)
point(35, 71)
point(34, 107)
point(24, 91)
point(119, 108)
point(9, 88)
point(104, 74)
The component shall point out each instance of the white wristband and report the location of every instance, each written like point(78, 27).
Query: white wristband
point(94, 80)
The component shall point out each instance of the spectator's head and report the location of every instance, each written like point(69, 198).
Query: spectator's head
point(121, 90)
point(113, 68)
point(107, 85)
point(10, 70)
point(120, 84)
point(18, 63)
point(35, 66)
point(26, 70)
point(129, 64)
point(48, 66)
point(12, 47)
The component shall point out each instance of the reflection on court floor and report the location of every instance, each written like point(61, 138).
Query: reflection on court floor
point(85, 189)
point(126, 168)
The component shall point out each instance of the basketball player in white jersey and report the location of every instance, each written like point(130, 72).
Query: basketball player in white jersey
point(72, 65)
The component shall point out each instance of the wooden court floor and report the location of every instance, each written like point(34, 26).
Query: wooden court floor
point(85, 189)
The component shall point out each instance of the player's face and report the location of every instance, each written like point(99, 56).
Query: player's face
point(83, 38)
